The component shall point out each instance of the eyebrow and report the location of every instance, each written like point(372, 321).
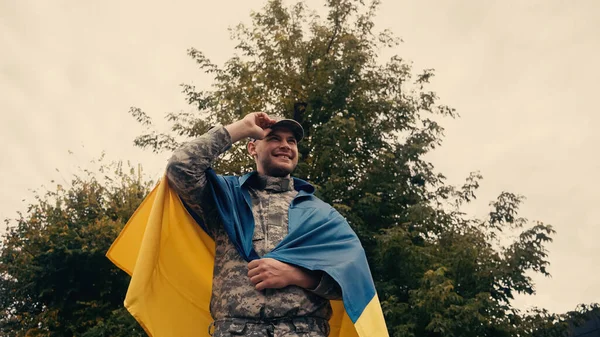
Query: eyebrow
point(274, 135)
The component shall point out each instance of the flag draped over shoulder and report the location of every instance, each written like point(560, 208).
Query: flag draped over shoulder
point(170, 259)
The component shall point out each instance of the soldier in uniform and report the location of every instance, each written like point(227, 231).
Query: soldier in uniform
point(265, 297)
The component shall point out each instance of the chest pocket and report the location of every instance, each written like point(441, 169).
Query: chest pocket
point(258, 239)
point(271, 219)
point(259, 234)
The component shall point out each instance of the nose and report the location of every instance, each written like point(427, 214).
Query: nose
point(284, 144)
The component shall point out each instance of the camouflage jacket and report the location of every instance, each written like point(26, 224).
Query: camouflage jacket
point(233, 295)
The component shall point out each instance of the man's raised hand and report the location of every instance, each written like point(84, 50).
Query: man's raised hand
point(254, 125)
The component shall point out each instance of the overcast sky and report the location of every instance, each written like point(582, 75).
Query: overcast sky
point(522, 75)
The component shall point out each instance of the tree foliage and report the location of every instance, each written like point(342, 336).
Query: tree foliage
point(368, 125)
point(54, 277)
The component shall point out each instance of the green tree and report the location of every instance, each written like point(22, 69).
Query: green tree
point(54, 277)
point(369, 122)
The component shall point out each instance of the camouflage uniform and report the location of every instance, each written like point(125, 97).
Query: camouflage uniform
point(237, 307)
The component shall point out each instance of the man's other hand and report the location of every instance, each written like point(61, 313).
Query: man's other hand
point(269, 273)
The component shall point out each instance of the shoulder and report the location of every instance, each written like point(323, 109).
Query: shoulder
point(317, 202)
point(221, 183)
point(221, 178)
point(311, 201)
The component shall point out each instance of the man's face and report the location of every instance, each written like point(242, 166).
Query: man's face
point(277, 154)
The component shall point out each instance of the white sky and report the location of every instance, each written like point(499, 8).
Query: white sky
point(522, 74)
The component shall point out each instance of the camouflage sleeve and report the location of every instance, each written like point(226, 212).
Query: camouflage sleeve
point(328, 288)
point(186, 168)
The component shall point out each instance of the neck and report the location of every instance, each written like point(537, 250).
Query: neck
point(265, 174)
point(278, 184)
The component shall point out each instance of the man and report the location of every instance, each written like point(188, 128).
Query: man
point(265, 297)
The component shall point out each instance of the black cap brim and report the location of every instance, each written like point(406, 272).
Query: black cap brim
point(291, 125)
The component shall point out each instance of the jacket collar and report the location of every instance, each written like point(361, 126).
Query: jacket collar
point(299, 184)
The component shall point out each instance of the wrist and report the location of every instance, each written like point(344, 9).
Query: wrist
point(237, 130)
point(309, 279)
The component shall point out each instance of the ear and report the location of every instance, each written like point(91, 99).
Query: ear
point(251, 148)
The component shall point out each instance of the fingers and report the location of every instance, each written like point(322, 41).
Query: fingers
point(257, 125)
point(263, 120)
point(262, 285)
point(260, 279)
point(254, 269)
point(257, 277)
point(262, 274)
point(253, 272)
point(253, 264)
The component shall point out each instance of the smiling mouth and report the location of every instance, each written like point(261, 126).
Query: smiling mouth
point(283, 156)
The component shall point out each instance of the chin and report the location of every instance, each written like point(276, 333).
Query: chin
point(279, 172)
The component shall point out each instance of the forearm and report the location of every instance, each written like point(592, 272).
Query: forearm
point(327, 288)
point(186, 168)
point(238, 130)
point(319, 283)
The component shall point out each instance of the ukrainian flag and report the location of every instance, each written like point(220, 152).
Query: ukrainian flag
point(170, 260)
